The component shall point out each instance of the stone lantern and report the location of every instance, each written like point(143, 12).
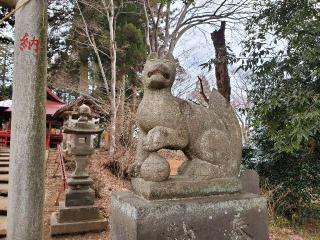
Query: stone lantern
point(78, 213)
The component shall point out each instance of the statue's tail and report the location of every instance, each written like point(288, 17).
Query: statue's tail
point(224, 109)
point(218, 103)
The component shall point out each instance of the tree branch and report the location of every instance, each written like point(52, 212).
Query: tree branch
point(204, 96)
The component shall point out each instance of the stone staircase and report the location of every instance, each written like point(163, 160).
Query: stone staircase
point(4, 180)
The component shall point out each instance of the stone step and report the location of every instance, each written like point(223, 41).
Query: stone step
point(3, 204)
point(3, 159)
point(4, 188)
point(4, 170)
point(3, 225)
point(4, 178)
point(4, 164)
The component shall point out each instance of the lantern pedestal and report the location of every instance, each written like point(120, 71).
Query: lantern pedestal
point(78, 213)
point(79, 197)
point(77, 220)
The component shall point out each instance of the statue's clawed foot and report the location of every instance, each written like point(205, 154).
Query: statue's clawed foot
point(163, 137)
point(156, 139)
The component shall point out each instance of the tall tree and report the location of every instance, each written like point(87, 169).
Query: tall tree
point(221, 61)
point(6, 61)
point(168, 21)
point(282, 51)
point(285, 64)
point(121, 56)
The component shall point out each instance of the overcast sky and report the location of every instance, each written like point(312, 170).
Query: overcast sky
point(196, 47)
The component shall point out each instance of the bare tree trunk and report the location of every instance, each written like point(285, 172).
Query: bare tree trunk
point(167, 26)
point(147, 29)
point(122, 99)
point(221, 65)
point(4, 64)
point(203, 94)
point(113, 57)
point(84, 78)
point(133, 113)
point(27, 152)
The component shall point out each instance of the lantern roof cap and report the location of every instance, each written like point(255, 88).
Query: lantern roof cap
point(82, 125)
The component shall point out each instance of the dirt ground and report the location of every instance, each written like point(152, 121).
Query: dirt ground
point(105, 182)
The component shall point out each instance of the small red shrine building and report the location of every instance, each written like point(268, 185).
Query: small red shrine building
point(54, 125)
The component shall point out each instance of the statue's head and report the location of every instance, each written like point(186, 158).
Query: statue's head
point(159, 71)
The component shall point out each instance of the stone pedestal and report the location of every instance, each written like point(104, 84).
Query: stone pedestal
point(78, 213)
point(241, 216)
point(180, 187)
point(250, 181)
point(77, 220)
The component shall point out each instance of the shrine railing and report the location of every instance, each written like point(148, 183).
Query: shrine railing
point(63, 173)
point(5, 137)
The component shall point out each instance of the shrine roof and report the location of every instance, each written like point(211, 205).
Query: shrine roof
point(53, 104)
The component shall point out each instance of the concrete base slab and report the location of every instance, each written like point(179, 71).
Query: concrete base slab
point(179, 187)
point(58, 228)
point(240, 216)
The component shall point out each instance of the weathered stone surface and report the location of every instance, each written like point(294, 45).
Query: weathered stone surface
point(250, 181)
point(228, 217)
point(79, 197)
point(78, 213)
point(178, 187)
point(28, 124)
point(76, 227)
point(155, 168)
point(209, 137)
point(83, 182)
